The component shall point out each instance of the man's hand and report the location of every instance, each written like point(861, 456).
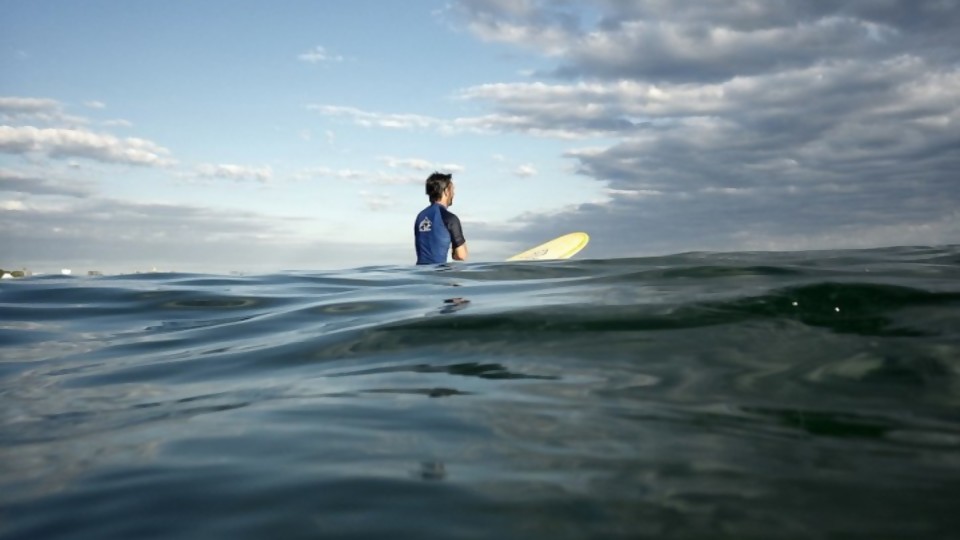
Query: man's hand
point(460, 253)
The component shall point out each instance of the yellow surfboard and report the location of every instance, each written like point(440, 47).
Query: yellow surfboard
point(563, 247)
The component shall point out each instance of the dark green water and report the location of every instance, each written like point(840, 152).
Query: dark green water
point(746, 395)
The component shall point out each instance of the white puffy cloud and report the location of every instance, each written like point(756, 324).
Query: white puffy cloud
point(22, 105)
point(60, 143)
point(12, 205)
point(525, 171)
point(19, 110)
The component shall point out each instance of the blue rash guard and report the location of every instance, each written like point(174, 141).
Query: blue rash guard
point(434, 231)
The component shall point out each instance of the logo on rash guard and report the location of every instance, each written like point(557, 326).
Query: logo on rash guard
point(425, 225)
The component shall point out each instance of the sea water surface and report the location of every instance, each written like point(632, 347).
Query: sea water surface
point(702, 395)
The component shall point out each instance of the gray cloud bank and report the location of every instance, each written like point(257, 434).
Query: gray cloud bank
point(66, 228)
point(746, 124)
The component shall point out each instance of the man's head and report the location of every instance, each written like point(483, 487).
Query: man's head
point(440, 188)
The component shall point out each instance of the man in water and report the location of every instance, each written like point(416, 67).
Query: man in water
point(436, 228)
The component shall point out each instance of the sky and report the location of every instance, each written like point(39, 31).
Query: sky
point(239, 135)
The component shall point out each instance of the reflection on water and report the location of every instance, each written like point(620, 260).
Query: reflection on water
point(691, 396)
point(452, 305)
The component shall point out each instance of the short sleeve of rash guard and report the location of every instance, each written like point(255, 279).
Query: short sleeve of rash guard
point(453, 225)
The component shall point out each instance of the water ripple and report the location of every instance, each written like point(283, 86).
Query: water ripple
point(699, 395)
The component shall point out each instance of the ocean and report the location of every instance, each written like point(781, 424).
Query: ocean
point(700, 395)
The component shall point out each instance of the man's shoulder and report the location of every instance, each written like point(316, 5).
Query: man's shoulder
point(425, 212)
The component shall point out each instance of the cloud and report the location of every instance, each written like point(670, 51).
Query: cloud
point(695, 41)
point(739, 125)
point(382, 120)
point(412, 171)
point(525, 171)
point(237, 173)
point(487, 124)
point(328, 172)
point(860, 125)
point(15, 182)
point(119, 122)
point(60, 143)
point(12, 205)
point(320, 55)
point(527, 23)
point(369, 177)
point(681, 51)
point(114, 235)
point(26, 105)
point(95, 105)
point(637, 108)
point(658, 223)
point(14, 110)
point(377, 201)
point(108, 234)
point(420, 165)
point(52, 223)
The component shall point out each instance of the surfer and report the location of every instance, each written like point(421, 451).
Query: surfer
point(437, 229)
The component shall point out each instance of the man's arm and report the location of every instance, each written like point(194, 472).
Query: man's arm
point(457, 241)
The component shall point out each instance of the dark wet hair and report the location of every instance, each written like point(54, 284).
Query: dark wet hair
point(437, 183)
